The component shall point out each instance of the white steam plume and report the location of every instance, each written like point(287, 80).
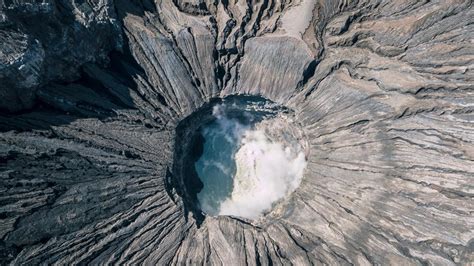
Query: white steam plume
point(267, 169)
point(266, 172)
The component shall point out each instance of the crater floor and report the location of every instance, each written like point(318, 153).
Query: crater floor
point(247, 156)
point(93, 95)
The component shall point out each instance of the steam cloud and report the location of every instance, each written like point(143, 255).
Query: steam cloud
point(265, 170)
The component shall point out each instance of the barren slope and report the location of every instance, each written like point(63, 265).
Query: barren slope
point(383, 89)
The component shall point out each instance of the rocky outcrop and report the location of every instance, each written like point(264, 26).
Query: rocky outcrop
point(383, 90)
point(45, 41)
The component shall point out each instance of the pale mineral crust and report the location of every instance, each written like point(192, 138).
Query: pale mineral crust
point(91, 93)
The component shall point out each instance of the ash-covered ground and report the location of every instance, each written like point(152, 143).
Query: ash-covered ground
point(92, 93)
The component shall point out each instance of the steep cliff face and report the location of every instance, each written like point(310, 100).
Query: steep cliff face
point(91, 93)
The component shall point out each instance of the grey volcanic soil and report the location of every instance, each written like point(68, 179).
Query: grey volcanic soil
point(91, 93)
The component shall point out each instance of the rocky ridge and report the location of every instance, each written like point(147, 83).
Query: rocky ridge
point(91, 93)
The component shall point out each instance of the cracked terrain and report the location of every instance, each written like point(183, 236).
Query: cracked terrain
point(91, 93)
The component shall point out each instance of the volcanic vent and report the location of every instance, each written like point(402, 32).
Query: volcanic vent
point(239, 156)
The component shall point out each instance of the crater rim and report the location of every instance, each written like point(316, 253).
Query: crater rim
point(183, 181)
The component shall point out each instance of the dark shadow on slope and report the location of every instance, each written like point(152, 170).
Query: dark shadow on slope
point(100, 93)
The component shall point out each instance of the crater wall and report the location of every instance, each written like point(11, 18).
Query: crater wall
point(91, 93)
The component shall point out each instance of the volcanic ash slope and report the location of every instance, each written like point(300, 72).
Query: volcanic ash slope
point(91, 93)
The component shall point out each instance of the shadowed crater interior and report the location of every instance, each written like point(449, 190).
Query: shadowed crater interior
point(238, 156)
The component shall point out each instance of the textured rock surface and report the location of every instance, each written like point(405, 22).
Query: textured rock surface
point(384, 90)
point(49, 40)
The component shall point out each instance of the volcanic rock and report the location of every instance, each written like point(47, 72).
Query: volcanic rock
point(91, 93)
